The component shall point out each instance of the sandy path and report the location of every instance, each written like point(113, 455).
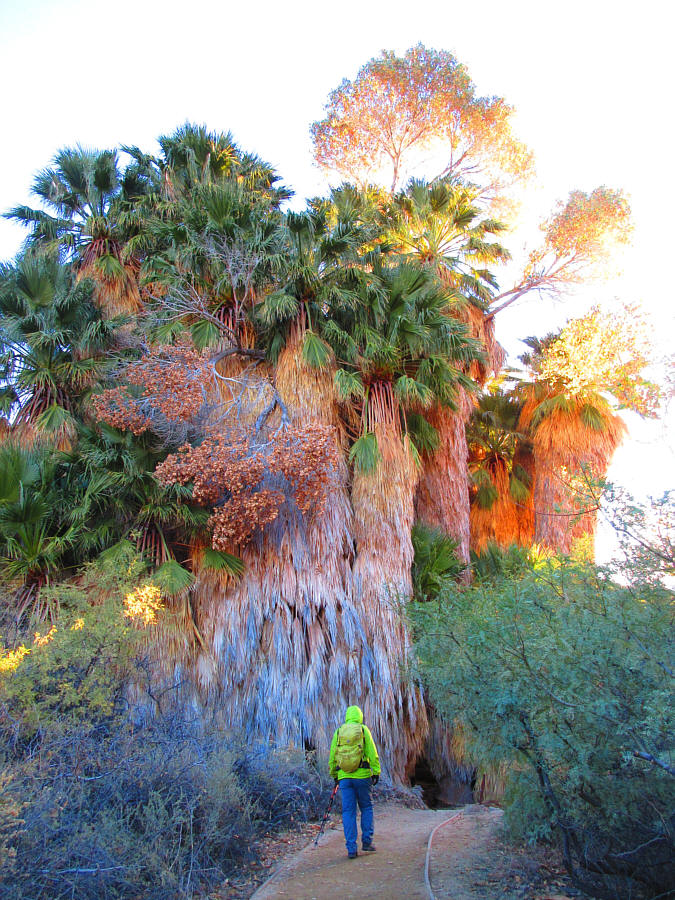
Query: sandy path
point(395, 870)
point(465, 857)
point(469, 861)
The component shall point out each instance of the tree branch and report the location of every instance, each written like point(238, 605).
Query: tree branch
point(652, 759)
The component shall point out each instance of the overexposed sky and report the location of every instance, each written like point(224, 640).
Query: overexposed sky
point(591, 82)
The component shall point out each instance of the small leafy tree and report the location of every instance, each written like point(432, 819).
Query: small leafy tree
point(566, 676)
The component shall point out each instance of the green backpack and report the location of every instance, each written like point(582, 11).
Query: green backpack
point(349, 749)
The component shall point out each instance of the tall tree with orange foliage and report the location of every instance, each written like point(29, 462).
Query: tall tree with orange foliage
point(578, 240)
point(399, 110)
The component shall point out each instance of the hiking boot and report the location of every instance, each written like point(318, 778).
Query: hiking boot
point(352, 855)
point(369, 848)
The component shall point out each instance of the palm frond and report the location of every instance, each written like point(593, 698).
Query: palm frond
point(365, 453)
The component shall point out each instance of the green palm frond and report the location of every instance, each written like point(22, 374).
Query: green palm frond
point(436, 563)
point(315, 352)
point(518, 489)
point(205, 334)
point(277, 307)
point(412, 393)
point(172, 578)
point(54, 419)
point(592, 417)
point(348, 384)
point(19, 469)
point(220, 561)
point(365, 453)
point(486, 492)
point(423, 435)
point(557, 403)
point(342, 343)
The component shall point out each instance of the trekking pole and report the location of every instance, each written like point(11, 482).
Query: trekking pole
point(326, 814)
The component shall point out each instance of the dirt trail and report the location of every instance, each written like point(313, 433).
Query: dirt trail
point(468, 861)
point(395, 870)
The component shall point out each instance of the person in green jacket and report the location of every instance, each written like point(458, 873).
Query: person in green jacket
point(355, 766)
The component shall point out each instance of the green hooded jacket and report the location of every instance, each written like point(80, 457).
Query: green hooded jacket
point(354, 714)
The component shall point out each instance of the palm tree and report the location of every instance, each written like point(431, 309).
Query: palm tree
point(500, 467)
point(82, 190)
point(290, 635)
point(201, 183)
point(110, 478)
point(209, 236)
point(574, 433)
point(439, 226)
point(574, 437)
point(325, 263)
point(407, 356)
point(35, 540)
point(52, 339)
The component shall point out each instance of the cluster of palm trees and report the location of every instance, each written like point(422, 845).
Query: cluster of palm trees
point(366, 313)
point(538, 447)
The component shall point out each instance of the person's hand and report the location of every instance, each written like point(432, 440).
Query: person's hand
point(337, 781)
point(376, 778)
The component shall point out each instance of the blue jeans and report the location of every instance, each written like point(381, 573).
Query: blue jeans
point(353, 791)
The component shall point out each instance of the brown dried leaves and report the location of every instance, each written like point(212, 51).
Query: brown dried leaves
point(247, 484)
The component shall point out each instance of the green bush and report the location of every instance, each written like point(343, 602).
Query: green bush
point(566, 676)
point(436, 563)
point(100, 800)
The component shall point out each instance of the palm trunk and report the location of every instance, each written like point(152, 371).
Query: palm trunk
point(383, 518)
point(500, 524)
point(566, 453)
point(443, 499)
point(443, 495)
point(288, 639)
point(524, 457)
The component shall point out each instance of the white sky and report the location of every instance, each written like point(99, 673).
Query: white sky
point(591, 82)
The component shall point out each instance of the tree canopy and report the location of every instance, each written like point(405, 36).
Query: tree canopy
point(398, 111)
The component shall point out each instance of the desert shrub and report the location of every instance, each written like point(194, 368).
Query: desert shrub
point(98, 801)
point(565, 675)
point(509, 561)
point(165, 810)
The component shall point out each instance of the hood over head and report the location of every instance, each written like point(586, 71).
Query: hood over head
point(354, 714)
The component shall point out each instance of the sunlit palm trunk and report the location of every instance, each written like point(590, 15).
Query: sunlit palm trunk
point(524, 457)
point(384, 513)
point(443, 494)
point(443, 499)
point(288, 640)
point(567, 455)
point(500, 523)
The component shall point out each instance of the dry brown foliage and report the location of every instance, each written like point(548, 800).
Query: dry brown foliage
point(170, 379)
point(246, 484)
